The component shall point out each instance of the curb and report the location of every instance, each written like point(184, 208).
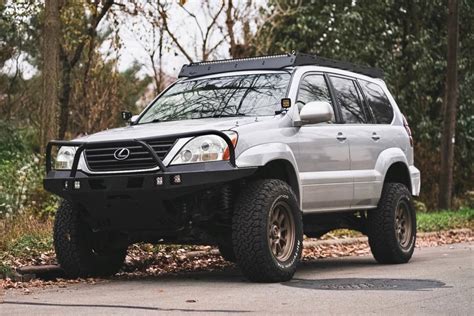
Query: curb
point(29, 272)
point(347, 241)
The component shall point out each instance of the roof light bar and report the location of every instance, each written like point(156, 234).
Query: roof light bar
point(274, 62)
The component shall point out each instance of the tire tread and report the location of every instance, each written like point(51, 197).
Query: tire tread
point(249, 223)
point(382, 240)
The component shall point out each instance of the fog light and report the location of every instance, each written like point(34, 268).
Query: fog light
point(176, 179)
point(65, 184)
point(159, 180)
point(77, 185)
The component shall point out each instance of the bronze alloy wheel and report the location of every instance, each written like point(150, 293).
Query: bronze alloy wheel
point(267, 231)
point(403, 225)
point(281, 231)
point(391, 227)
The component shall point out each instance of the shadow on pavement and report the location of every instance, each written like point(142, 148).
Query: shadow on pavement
point(232, 273)
point(150, 308)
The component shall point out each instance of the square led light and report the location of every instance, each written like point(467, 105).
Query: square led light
point(286, 103)
point(66, 184)
point(77, 185)
point(159, 180)
point(176, 179)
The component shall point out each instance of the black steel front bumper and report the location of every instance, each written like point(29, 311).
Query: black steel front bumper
point(143, 201)
point(167, 182)
point(175, 181)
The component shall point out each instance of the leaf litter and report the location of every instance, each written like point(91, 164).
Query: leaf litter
point(145, 260)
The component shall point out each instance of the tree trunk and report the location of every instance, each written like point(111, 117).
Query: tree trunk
point(229, 22)
point(68, 66)
point(450, 108)
point(160, 61)
point(50, 87)
point(65, 98)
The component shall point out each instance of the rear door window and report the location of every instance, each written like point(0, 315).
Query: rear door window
point(349, 100)
point(378, 102)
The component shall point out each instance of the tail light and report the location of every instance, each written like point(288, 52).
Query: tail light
point(407, 128)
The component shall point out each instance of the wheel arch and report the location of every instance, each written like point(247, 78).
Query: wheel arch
point(392, 166)
point(398, 172)
point(283, 170)
point(274, 160)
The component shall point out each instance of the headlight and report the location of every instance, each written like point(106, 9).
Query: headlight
point(65, 158)
point(205, 148)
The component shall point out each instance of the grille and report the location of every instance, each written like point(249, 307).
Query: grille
point(103, 159)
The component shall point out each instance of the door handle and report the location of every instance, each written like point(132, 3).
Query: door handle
point(340, 137)
point(375, 136)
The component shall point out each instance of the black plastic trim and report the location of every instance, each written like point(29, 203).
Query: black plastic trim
point(332, 92)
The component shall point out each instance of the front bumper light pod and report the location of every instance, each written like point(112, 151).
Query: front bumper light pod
point(65, 158)
point(205, 148)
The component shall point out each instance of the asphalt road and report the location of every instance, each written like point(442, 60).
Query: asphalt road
point(437, 281)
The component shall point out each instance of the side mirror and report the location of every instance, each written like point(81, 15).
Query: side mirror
point(126, 115)
point(129, 117)
point(134, 119)
point(316, 112)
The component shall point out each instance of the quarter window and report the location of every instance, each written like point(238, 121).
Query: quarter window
point(349, 100)
point(378, 102)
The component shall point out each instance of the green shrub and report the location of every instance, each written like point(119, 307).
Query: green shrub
point(445, 220)
point(21, 174)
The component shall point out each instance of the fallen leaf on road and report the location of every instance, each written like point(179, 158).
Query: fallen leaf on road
point(145, 260)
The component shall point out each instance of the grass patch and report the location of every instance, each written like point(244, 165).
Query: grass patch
point(445, 220)
point(425, 222)
point(24, 235)
point(30, 245)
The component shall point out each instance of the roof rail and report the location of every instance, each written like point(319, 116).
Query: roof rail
point(272, 62)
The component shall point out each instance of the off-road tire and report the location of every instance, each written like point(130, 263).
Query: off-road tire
point(250, 231)
point(382, 230)
point(73, 249)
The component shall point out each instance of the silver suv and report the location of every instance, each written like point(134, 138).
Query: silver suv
point(248, 155)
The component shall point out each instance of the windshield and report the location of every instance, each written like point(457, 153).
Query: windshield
point(242, 95)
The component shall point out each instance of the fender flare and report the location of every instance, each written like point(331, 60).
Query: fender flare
point(260, 155)
point(386, 159)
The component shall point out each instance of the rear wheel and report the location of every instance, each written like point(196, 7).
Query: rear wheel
point(77, 247)
point(267, 231)
point(392, 226)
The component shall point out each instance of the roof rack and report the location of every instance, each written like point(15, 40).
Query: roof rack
point(272, 63)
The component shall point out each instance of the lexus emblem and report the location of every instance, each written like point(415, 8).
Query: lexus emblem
point(122, 153)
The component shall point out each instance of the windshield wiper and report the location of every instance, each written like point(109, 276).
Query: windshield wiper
point(229, 115)
point(215, 115)
point(156, 120)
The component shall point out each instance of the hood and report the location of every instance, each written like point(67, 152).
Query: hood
point(169, 128)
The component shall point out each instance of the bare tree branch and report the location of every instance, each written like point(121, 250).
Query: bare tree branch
point(90, 32)
point(162, 13)
point(205, 53)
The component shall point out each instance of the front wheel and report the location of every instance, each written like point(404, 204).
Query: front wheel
point(267, 231)
point(225, 248)
point(392, 226)
point(76, 246)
